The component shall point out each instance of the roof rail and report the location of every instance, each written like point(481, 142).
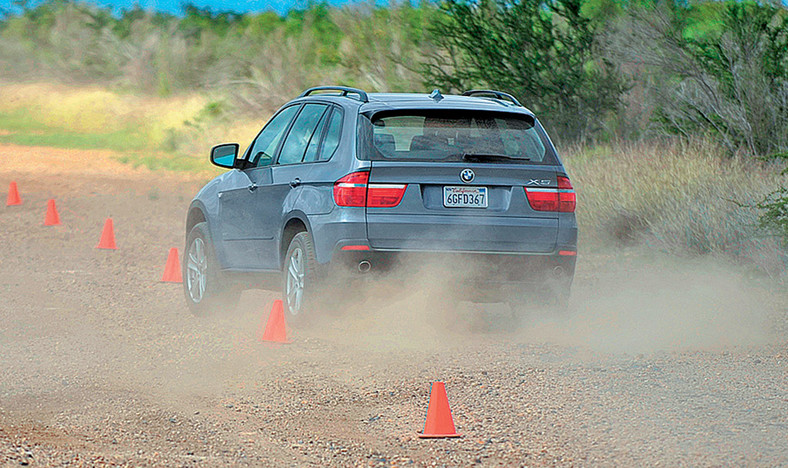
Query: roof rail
point(343, 91)
point(498, 95)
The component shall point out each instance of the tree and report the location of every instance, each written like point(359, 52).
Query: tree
point(730, 83)
point(542, 51)
point(774, 207)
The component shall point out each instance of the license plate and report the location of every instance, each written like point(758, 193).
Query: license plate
point(465, 197)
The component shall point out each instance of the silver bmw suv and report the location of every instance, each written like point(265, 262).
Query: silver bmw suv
point(340, 182)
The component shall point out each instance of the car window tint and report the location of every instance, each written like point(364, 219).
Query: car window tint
point(314, 142)
point(450, 136)
point(396, 133)
point(301, 133)
point(518, 137)
point(331, 141)
point(264, 146)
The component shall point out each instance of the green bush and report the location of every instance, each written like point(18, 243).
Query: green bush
point(709, 69)
point(258, 60)
point(542, 51)
point(774, 207)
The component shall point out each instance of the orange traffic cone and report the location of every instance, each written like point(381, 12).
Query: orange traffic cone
point(52, 218)
point(13, 196)
point(275, 329)
point(107, 236)
point(439, 422)
point(172, 270)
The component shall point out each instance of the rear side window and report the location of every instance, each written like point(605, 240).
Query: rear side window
point(333, 134)
point(304, 130)
point(314, 143)
point(456, 136)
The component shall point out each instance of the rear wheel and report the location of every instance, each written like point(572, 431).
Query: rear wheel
point(205, 287)
point(300, 278)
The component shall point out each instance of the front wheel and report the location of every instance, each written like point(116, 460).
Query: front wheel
point(205, 287)
point(299, 277)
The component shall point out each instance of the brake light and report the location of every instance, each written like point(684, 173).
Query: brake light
point(542, 199)
point(561, 199)
point(355, 190)
point(385, 195)
point(351, 190)
point(567, 199)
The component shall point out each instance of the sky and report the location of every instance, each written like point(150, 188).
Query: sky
point(174, 6)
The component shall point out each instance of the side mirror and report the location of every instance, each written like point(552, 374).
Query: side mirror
point(224, 155)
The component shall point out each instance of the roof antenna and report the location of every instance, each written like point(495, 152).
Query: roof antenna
point(436, 95)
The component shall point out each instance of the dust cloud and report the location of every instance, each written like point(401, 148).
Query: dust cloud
point(635, 302)
point(662, 304)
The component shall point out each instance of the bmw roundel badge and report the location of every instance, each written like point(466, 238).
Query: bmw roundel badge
point(467, 176)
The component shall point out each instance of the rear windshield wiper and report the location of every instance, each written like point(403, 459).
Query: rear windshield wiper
point(491, 157)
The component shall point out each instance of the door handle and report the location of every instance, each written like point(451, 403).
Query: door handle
point(252, 187)
point(295, 182)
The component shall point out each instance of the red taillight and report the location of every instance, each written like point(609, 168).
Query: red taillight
point(351, 190)
point(385, 195)
point(567, 199)
point(542, 199)
point(564, 184)
point(562, 199)
point(355, 190)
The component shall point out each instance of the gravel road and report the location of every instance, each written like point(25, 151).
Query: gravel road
point(660, 361)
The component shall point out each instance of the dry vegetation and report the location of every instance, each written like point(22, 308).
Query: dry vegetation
point(683, 198)
point(668, 159)
point(170, 133)
point(674, 345)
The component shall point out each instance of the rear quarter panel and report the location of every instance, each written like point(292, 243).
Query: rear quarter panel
point(329, 223)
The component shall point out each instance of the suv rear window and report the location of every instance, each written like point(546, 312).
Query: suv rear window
point(457, 136)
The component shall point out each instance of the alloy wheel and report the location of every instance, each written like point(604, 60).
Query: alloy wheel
point(295, 280)
point(196, 269)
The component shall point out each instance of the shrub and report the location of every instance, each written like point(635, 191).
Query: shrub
point(258, 60)
point(682, 198)
point(713, 69)
point(542, 51)
point(774, 207)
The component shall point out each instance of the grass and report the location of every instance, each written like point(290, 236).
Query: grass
point(22, 128)
point(168, 162)
point(685, 199)
point(159, 133)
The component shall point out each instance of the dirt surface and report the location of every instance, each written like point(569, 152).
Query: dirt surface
point(659, 362)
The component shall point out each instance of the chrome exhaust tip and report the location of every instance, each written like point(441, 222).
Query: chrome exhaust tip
point(558, 272)
point(364, 266)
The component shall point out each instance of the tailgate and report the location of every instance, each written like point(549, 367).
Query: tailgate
point(441, 212)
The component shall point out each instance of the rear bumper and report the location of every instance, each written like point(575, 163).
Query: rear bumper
point(494, 268)
point(348, 226)
point(457, 232)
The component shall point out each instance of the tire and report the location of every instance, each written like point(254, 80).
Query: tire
point(206, 289)
point(300, 279)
